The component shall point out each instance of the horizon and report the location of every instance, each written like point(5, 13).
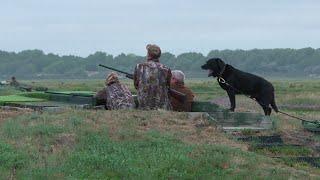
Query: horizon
point(115, 55)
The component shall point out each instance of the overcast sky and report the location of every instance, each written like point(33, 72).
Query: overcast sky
point(81, 27)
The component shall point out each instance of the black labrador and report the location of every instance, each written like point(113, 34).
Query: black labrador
point(242, 83)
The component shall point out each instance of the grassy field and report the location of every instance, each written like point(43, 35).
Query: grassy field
point(84, 144)
point(98, 144)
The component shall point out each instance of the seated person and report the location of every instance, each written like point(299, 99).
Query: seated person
point(177, 83)
point(152, 81)
point(115, 94)
point(14, 82)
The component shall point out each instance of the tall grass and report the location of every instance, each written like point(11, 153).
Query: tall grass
point(81, 144)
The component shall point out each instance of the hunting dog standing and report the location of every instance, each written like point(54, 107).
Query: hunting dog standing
point(239, 82)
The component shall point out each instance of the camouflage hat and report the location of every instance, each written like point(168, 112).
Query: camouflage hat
point(112, 78)
point(153, 50)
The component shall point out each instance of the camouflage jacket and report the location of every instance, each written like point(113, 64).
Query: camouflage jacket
point(177, 105)
point(152, 81)
point(118, 97)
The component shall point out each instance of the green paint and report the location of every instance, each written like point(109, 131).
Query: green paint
point(18, 98)
point(83, 93)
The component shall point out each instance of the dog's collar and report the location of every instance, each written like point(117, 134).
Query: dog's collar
point(222, 71)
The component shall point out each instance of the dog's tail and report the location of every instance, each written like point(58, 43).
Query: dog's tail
point(273, 104)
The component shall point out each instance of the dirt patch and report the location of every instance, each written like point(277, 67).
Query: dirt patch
point(195, 130)
point(201, 131)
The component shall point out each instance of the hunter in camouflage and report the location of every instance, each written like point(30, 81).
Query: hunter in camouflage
point(118, 96)
point(152, 81)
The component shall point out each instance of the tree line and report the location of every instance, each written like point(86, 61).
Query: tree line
point(35, 64)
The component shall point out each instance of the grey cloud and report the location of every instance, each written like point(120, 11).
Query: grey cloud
point(81, 26)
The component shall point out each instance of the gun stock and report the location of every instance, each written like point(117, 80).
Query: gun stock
point(130, 76)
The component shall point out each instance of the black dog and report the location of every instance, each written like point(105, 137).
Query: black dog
point(242, 83)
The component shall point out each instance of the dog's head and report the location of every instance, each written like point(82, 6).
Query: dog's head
point(214, 67)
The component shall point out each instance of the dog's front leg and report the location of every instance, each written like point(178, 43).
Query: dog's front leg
point(232, 99)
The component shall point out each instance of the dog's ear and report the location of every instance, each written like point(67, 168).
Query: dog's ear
point(220, 64)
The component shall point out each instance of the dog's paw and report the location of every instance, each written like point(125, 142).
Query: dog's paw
point(231, 109)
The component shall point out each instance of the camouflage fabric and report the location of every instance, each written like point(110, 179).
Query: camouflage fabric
point(152, 80)
point(118, 97)
point(178, 105)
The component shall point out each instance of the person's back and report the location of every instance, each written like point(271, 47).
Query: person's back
point(118, 95)
point(152, 81)
point(177, 83)
point(182, 106)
